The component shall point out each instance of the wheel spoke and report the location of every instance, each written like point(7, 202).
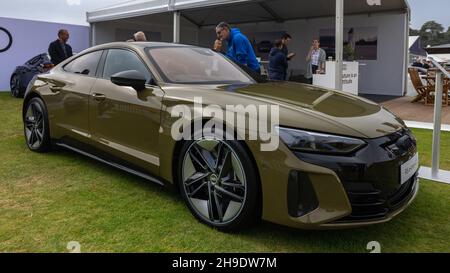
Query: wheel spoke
point(33, 110)
point(28, 134)
point(207, 162)
point(210, 201)
point(218, 206)
point(35, 137)
point(198, 189)
point(219, 155)
point(197, 160)
point(234, 185)
point(39, 119)
point(40, 123)
point(37, 111)
point(195, 178)
point(225, 165)
point(32, 136)
point(29, 113)
point(39, 135)
point(233, 196)
point(28, 123)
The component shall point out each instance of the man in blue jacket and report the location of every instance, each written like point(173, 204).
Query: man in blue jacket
point(240, 50)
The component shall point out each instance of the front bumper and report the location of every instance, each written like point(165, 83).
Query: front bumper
point(351, 191)
point(348, 222)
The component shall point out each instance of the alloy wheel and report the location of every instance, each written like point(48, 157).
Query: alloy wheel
point(34, 125)
point(214, 181)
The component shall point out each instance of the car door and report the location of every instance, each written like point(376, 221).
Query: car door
point(124, 122)
point(68, 105)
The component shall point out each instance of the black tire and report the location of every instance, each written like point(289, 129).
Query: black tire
point(36, 126)
point(249, 213)
point(16, 87)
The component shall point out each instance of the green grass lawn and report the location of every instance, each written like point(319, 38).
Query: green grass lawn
point(48, 200)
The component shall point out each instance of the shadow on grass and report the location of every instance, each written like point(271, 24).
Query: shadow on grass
point(107, 170)
point(393, 235)
point(409, 227)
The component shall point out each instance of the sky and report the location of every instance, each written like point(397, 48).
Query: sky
point(59, 11)
point(428, 10)
point(75, 10)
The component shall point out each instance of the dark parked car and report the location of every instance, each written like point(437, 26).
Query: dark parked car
point(23, 74)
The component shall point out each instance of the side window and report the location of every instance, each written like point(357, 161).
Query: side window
point(85, 65)
point(119, 60)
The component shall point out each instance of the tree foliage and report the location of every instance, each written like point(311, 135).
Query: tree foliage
point(432, 34)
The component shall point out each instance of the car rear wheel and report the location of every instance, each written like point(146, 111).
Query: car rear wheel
point(219, 183)
point(16, 90)
point(36, 126)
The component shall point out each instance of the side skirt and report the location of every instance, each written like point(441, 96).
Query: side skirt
point(113, 164)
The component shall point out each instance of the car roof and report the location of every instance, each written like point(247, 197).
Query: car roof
point(137, 45)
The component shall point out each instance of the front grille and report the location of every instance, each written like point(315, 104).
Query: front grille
point(368, 203)
point(403, 194)
point(400, 143)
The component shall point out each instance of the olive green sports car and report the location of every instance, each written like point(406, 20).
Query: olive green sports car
point(341, 161)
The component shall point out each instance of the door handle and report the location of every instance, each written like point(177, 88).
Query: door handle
point(56, 89)
point(98, 97)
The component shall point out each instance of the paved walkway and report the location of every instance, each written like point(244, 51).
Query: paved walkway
point(417, 112)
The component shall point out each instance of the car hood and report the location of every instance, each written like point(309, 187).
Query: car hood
point(309, 107)
point(356, 115)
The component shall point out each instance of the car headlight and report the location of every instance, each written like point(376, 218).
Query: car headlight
point(310, 142)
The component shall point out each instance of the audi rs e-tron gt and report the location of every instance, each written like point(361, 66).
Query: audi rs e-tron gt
point(342, 161)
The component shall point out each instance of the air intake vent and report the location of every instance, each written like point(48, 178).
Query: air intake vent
point(302, 198)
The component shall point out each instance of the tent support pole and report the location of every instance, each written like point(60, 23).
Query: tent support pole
point(339, 43)
point(176, 27)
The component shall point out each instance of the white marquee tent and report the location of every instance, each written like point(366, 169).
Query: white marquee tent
point(192, 22)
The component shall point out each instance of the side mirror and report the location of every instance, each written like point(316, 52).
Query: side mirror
point(131, 78)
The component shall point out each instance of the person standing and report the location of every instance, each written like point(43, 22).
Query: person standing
point(351, 39)
point(417, 63)
point(138, 37)
point(240, 49)
point(278, 62)
point(315, 60)
point(286, 40)
point(426, 64)
point(60, 50)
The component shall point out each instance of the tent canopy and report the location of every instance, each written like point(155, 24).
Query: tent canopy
point(196, 17)
point(200, 13)
point(413, 40)
point(440, 49)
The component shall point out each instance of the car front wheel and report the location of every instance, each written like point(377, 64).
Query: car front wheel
point(219, 183)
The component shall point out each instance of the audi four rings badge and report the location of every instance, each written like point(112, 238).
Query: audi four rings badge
point(10, 39)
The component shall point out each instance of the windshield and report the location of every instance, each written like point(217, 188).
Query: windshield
point(191, 65)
